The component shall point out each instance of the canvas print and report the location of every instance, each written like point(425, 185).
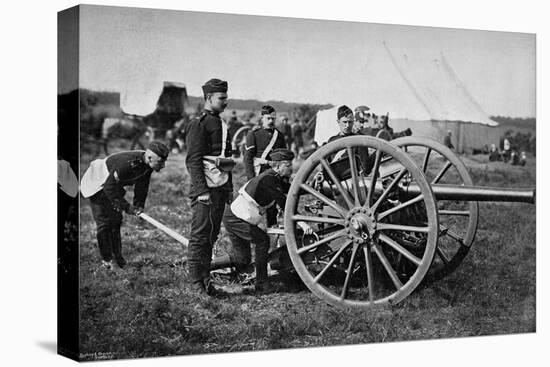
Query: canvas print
point(243, 183)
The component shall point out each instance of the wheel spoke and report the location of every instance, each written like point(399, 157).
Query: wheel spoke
point(307, 218)
point(452, 234)
point(370, 276)
point(394, 278)
point(354, 178)
point(331, 262)
point(442, 172)
point(333, 178)
point(348, 274)
point(399, 227)
point(442, 255)
point(426, 159)
point(374, 177)
point(388, 189)
point(400, 206)
point(324, 199)
point(400, 249)
point(332, 237)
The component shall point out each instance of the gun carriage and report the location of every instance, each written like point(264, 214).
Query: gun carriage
point(387, 217)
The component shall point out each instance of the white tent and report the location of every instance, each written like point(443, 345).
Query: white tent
point(440, 93)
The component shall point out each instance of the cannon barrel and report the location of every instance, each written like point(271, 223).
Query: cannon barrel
point(456, 192)
point(475, 193)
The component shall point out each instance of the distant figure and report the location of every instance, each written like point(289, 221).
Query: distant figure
point(494, 154)
point(447, 141)
point(361, 117)
point(507, 148)
point(286, 129)
point(233, 124)
point(297, 137)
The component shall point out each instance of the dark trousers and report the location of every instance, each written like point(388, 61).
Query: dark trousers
point(108, 222)
point(242, 234)
point(205, 227)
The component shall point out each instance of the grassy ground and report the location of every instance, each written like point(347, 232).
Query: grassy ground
point(146, 310)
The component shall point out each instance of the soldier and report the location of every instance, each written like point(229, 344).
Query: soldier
point(260, 143)
point(245, 222)
point(208, 144)
point(297, 136)
point(361, 118)
point(104, 181)
point(345, 123)
point(287, 131)
point(447, 140)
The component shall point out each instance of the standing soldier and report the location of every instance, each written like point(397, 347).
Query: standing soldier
point(297, 136)
point(287, 131)
point(447, 140)
point(260, 143)
point(104, 181)
point(208, 145)
point(245, 222)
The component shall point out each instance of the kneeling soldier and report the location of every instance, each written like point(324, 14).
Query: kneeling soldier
point(245, 222)
point(104, 181)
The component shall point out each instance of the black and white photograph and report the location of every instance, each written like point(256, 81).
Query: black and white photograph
point(271, 182)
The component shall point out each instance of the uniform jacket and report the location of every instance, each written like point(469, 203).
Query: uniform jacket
point(268, 189)
point(256, 142)
point(126, 169)
point(204, 137)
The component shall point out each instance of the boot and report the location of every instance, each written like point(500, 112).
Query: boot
point(117, 248)
point(104, 243)
point(261, 286)
point(221, 262)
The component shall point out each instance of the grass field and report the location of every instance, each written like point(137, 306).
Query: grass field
point(146, 310)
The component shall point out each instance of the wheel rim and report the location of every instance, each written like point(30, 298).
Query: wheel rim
point(360, 246)
point(458, 220)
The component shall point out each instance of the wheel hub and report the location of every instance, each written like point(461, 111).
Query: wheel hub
point(360, 224)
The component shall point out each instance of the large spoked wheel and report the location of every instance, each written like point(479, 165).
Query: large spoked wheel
point(239, 139)
point(457, 219)
point(367, 251)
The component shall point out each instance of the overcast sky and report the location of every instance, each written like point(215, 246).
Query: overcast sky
point(133, 50)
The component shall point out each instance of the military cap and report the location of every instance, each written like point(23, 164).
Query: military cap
point(214, 85)
point(344, 111)
point(267, 110)
point(159, 149)
point(360, 112)
point(281, 154)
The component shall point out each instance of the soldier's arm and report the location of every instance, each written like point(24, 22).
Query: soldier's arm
point(249, 154)
point(140, 190)
point(195, 141)
point(114, 190)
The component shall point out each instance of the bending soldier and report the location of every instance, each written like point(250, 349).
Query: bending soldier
point(208, 146)
point(104, 181)
point(245, 222)
point(260, 143)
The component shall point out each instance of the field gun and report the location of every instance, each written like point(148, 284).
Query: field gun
point(408, 214)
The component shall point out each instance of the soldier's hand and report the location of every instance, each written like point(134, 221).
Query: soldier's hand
point(137, 211)
point(204, 199)
point(229, 198)
point(131, 210)
point(262, 226)
point(305, 227)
